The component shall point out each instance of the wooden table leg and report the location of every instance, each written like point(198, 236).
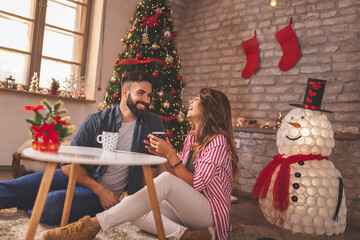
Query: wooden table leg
point(40, 199)
point(154, 201)
point(69, 194)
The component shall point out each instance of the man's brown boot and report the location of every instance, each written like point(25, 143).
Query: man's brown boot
point(80, 230)
point(202, 234)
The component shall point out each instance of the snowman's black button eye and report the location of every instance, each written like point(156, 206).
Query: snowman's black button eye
point(302, 117)
point(291, 118)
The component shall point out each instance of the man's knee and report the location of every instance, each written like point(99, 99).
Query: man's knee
point(53, 209)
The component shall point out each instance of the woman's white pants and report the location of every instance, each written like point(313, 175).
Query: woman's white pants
point(181, 207)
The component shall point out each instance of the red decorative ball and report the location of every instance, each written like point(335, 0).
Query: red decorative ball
point(144, 18)
point(155, 74)
point(168, 134)
point(179, 78)
point(173, 91)
point(132, 46)
point(116, 95)
point(139, 56)
point(174, 33)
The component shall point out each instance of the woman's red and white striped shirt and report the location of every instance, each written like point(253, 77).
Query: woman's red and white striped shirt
point(213, 177)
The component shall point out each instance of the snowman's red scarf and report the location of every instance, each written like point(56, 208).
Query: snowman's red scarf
point(281, 184)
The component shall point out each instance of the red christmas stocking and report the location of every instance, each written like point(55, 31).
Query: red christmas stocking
point(251, 50)
point(290, 47)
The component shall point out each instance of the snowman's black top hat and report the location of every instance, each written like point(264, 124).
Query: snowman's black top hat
point(313, 96)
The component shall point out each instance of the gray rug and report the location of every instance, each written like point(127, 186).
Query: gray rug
point(14, 224)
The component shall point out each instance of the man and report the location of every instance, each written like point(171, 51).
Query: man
point(98, 187)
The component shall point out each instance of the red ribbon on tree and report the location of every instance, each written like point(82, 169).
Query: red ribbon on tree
point(281, 184)
point(153, 20)
point(137, 61)
point(168, 118)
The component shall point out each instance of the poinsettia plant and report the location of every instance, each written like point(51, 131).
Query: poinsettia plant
point(49, 127)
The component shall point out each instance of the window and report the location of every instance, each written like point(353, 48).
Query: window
point(44, 36)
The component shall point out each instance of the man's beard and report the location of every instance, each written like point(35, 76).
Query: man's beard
point(136, 111)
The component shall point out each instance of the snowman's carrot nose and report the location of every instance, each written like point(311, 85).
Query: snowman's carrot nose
point(297, 125)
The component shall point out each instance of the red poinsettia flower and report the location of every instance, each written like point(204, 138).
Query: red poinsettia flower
point(59, 121)
point(47, 132)
point(35, 108)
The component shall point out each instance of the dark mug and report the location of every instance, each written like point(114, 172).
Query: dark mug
point(161, 135)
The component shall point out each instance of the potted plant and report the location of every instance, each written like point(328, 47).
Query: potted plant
point(48, 129)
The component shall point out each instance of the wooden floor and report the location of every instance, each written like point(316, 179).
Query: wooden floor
point(245, 212)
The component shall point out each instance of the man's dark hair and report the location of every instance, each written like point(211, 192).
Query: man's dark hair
point(136, 76)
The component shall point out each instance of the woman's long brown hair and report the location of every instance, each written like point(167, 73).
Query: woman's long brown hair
point(215, 120)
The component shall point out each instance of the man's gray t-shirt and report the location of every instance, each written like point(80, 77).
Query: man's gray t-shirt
point(116, 176)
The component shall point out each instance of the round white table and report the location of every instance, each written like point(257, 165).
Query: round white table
point(88, 155)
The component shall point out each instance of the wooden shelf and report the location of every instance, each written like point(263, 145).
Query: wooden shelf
point(15, 91)
point(337, 135)
point(255, 130)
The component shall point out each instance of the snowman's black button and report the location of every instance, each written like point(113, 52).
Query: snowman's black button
point(294, 198)
point(297, 174)
point(301, 163)
point(296, 185)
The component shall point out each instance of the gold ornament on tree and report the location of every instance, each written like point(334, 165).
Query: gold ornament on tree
point(145, 38)
point(113, 78)
point(161, 93)
point(155, 46)
point(102, 105)
point(166, 104)
point(181, 117)
point(34, 84)
point(168, 58)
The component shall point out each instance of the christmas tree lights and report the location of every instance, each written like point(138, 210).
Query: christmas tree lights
point(149, 47)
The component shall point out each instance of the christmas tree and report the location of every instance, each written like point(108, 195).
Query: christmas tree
point(149, 47)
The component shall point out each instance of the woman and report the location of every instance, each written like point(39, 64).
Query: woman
point(196, 196)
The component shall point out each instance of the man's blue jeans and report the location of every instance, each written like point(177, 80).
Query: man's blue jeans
point(21, 193)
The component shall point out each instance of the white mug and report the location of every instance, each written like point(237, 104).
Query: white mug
point(108, 140)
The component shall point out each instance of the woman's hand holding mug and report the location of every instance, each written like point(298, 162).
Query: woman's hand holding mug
point(158, 146)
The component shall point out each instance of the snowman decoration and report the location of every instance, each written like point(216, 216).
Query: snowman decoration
point(300, 189)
